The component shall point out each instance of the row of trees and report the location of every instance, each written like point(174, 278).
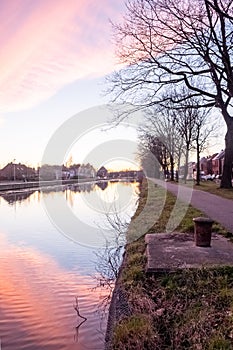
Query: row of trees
point(187, 45)
point(168, 135)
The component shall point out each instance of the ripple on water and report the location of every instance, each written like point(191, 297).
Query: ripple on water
point(37, 300)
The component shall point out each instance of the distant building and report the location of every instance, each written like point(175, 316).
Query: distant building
point(86, 171)
point(74, 170)
point(210, 164)
point(102, 172)
point(204, 165)
point(19, 171)
point(218, 162)
point(113, 175)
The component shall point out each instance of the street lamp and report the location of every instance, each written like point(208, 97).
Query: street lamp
point(14, 169)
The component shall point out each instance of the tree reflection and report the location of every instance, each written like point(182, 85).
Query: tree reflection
point(83, 319)
point(109, 258)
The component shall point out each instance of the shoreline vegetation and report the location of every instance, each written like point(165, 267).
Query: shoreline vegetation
point(188, 309)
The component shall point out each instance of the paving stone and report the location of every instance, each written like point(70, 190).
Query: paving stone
point(172, 251)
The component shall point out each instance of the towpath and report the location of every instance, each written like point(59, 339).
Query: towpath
point(215, 207)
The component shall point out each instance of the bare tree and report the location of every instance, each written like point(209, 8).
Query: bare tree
point(148, 161)
point(179, 126)
point(160, 154)
point(185, 123)
point(186, 43)
point(160, 125)
point(204, 129)
point(195, 125)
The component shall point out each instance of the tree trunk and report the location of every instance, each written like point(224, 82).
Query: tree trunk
point(226, 181)
point(172, 167)
point(198, 166)
point(186, 165)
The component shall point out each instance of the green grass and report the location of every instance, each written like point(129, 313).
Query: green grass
point(188, 309)
point(158, 211)
point(126, 330)
point(214, 188)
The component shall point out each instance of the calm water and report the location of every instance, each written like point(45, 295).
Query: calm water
point(53, 248)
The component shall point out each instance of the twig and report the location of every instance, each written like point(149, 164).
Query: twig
point(76, 307)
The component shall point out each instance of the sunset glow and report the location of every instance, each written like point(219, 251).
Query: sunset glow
point(54, 58)
point(47, 44)
point(38, 306)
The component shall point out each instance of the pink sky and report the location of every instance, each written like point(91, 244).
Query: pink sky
point(54, 55)
point(46, 44)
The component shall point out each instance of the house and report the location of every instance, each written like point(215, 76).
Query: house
point(102, 172)
point(65, 172)
point(218, 162)
point(13, 171)
point(204, 165)
point(210, 164)
point(74, 171)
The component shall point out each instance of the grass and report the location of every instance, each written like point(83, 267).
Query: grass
point(214, 188)
point(126, 330)
point(188, 309)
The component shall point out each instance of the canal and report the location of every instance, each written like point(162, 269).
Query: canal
point(55, 245)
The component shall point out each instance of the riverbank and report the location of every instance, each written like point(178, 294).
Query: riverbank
point(21, 185)
point(188, 309)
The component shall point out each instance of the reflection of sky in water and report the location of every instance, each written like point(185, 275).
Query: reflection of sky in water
point(36, 302)
point(117, 199)
point(41, 271)
point(26, 223)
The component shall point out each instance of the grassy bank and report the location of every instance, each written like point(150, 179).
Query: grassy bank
point(189, 309)
point(214, 188)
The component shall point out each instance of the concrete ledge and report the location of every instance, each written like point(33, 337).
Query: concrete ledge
point(174, 251)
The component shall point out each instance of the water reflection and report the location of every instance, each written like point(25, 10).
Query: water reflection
point(42, 272)
point(103, 185)
point(109, 259)
point(18, 196)
point(21, 195)
point(36, 305)
point(12, 197)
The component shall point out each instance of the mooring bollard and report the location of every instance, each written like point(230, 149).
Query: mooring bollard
point(202, 231)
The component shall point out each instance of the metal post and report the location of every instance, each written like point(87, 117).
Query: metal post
point(14, 169)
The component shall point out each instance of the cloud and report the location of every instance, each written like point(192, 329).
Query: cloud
point(48, 44)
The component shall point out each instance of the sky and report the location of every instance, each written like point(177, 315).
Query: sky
point(54, 57)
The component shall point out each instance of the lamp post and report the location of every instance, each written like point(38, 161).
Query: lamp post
point(14, 169)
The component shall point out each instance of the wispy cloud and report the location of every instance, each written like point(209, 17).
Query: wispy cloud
point(47, 44)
